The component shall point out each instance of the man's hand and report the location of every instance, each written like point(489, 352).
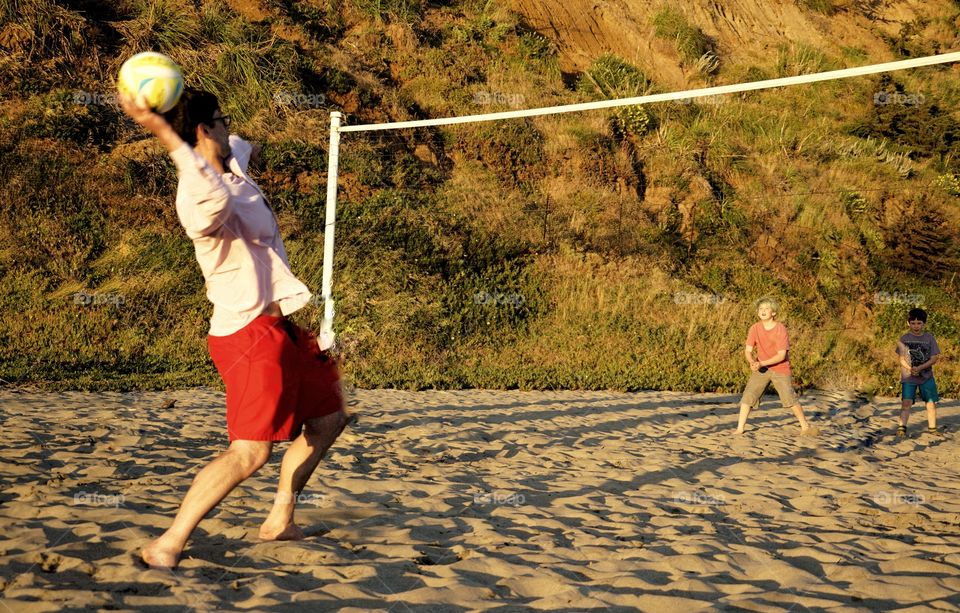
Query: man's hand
point(153, 122)
point(755, 366)
point(141, 113)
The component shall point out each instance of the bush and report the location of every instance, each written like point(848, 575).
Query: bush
point(910, 120)
point(167, 26)
point(613, 77)
point(403, 11)
point(50, 213)
point(515, 147)
point(79, 116)
point(824, 7)
point(671, 24)
point(44, 45)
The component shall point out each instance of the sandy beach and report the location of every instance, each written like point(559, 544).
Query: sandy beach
point(482, 500)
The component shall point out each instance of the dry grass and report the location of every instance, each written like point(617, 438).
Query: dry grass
point(580, 251)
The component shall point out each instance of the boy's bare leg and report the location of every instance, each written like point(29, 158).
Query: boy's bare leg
point(298, 464)
point(744, 412)
point(932, 415)
point(905, 412)
point(210, 486)
point(804, 426)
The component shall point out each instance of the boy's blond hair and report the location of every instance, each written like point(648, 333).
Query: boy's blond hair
point(770, 302)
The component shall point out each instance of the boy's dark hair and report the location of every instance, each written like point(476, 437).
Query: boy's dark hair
point(195, 107)
point(917, 314)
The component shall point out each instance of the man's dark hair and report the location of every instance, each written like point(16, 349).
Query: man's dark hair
point(917, 314)
point(195, 107)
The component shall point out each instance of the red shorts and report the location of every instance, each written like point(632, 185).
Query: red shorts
point(276, 378)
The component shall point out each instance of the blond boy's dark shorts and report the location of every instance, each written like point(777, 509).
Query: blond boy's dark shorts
point(758, 382)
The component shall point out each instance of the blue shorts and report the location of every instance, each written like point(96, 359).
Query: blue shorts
point(928, 391)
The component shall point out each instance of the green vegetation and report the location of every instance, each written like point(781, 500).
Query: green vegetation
point(405, 11)
point(614, 249)
point(694, 46)
point(825, 7)
point(612, 77)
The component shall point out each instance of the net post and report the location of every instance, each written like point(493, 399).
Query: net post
point(326, 338)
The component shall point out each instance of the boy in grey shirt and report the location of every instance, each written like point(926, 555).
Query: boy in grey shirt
point(918, 353)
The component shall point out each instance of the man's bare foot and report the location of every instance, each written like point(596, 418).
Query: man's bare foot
point(738, 431)
point(810, 431)
point(286, 532)
point(158, 555)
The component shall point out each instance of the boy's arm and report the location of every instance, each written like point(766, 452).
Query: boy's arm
point(748, 354)
point(919, 368)
point(934, 354)
point(907, 369)
point(904, 354)
point(781, 354)
point(776, 359)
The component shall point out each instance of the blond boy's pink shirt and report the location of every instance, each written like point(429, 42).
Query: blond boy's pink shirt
point(769, 342)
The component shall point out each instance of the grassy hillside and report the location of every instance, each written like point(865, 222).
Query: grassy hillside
point(615, 249)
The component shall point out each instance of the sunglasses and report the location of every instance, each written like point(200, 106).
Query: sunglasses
point(224, 118)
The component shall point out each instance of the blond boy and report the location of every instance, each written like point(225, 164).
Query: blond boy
point(770, 340)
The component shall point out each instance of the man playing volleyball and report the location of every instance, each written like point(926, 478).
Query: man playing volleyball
point(280, 385)
point(772, 365)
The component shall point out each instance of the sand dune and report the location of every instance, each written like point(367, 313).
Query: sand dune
point(481, 500)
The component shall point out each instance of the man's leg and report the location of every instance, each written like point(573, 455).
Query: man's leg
point(299, 462)
point(210, 486)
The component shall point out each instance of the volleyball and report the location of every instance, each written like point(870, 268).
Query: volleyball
point(155, 77)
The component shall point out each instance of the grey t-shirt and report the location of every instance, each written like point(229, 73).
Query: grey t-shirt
point(921, 348)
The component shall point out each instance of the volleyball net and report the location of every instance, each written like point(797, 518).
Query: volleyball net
point(340, 137)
